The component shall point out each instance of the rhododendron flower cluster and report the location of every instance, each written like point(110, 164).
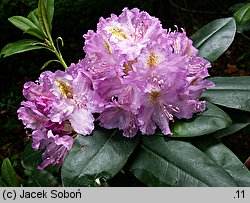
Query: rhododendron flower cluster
point(58, 106)
point(136, 75)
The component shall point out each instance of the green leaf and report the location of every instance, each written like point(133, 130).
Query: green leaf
point(243, 14)
point(226, 159)
point(49, 6)
point(21, 46)
point(101, 155)
point(208, 121)
point(31, 158)
point(33, 16)
point(213, 39)
point(43, 19)
point(9, 176)
point(36, 32)
point(41, 179)
point(232, 92)
point(2, 184)
point(22, 23)
point(167, 162)
point(235, 127)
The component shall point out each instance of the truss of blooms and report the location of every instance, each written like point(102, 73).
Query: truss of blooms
point(136, 76)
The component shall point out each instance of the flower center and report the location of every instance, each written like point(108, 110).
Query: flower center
point(107, 47)
point(153, 60)
point(65, 88)
point(154, 96)
point(118, 32)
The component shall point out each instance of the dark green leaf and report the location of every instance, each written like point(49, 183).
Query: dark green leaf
point(33, 16)
point(243, 14)
point(226, 159)
point(20, 46)
point(230, 130)
point(49, 6)
point(36, 32)
point(41, 179)
point(235, 7)
point(9, 176)
point(22, 23)
point(2, 184)
point(101, 155)
point(167, 162)
point(210, 120)
point(232, 92)
point(30, 158)
point(213, 39)
point(43, 19)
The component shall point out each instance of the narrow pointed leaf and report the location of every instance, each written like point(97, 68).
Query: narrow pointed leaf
point(213, 39)
point(208, 121)
point(43, 19)
point(226, 159)
point(101, 155)
point(36, 32)
point(232, 92)
point(9, 176)
point(20, 46)
point(49, 6)
point(243, 14)
point(33, 16)
point(22, 23)
point(167, 162)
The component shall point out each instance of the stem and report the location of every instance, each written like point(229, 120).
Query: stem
point(59, 56)
point(57, 53)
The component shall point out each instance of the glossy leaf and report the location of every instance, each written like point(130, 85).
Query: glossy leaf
point(49, 6)
point(232, 92)
point(235, 127)
point(213, 39)
point(167, 162)
point(20, 46)
point(101, 155)
point(208, 121)
point(43, 19)
point(9, 176)
point(36, 32)
point(226, 159)
point(33, 16)
point(243, 14)
point(41, 179)
point(22, 23)
point(31, 158)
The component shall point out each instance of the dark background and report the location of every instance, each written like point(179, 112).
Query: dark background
point(72, 19)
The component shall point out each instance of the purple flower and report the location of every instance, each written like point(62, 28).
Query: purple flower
point(143, 75)
point(58, 105)
point(57, 147)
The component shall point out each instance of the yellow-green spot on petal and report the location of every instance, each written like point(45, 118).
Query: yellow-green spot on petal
point(154, 96)
point(107, 47)
point(65, 88)
point(118, 32)
point(153, 60)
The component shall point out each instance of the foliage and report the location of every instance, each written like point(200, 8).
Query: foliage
point(193, 156)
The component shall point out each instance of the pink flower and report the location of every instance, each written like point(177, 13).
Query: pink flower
point(58, 105)
point(144, 76)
